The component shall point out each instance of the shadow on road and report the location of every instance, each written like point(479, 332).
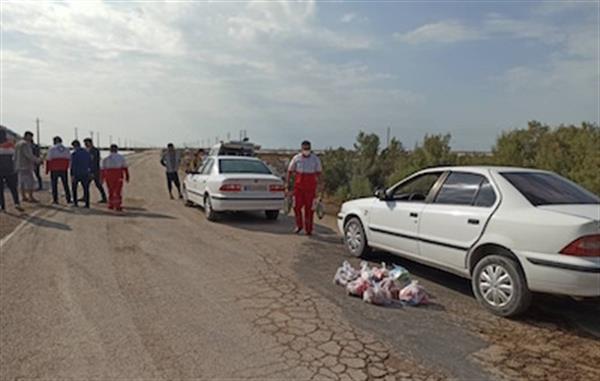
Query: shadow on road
point(40, 222)
point(135, 212)
point(256, 221)
point(44, 223)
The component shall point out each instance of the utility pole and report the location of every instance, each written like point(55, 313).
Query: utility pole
point(387, 139)
point(76, 134)
point(110, 140)
point(92, 135)
point(37, 130)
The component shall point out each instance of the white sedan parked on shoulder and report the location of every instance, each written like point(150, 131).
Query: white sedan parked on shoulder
point(510, 230)
point(234, 183)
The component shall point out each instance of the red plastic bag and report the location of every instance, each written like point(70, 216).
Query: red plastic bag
point(358, 287)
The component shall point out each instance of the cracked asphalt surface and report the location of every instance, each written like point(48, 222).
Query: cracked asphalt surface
point(161, 293)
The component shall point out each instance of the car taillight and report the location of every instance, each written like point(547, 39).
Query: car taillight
point(230, 188)
point(586, 246)
point(276, 188)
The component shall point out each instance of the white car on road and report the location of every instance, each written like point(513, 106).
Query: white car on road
point(510, 230)
point(234, 183)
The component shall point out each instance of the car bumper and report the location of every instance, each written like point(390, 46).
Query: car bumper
point(224, 203)
point(562, 274)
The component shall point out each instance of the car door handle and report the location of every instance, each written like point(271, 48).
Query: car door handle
point(414, 215)
point(473, 221)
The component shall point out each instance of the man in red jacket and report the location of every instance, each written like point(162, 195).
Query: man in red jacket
point(114, 170)
point(305, 167)
point(57, 164)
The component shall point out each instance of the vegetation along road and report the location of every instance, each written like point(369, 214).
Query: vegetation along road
point(161, 293)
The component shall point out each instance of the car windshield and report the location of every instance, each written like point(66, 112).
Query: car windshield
point(549, 189)
point(243, 166)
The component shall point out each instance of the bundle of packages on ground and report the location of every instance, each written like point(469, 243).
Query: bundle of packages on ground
point(380, 285)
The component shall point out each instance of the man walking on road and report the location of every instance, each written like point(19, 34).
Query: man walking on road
point(35, 148)
point(95, 176)
point(81, 167)
point(25, 162)
point(171, 160)
point(57, 164)
point(305, 168)
point(8, 175)
point(114, 170)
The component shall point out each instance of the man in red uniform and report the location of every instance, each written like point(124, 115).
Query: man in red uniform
point(305, 167)
point(114, 170)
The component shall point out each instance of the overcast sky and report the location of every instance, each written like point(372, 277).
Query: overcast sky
point(287, 71)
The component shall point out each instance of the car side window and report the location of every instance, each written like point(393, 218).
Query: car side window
point(466, 189)
point(207, 167)
point(486, 196)
point(416, 189)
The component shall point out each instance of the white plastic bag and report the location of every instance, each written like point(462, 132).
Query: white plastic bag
point(400, 276)
point(413, 294)
point(345, 274)
point(377, 294)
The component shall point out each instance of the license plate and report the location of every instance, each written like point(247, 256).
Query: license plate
point(255, 188)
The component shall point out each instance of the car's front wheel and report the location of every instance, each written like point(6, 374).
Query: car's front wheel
point(210, 213)
point(272, 214)
point(355, 238)
point(500, 286)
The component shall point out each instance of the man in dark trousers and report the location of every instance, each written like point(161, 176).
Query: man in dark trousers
point(57, 164)
point(171, 160)
point(95, 177)
point(36, 171)
point(7, 171)
point(81, 169)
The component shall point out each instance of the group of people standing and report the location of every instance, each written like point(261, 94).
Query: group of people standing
point(19, 163)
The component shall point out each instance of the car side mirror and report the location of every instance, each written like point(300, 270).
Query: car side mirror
point(381, 194)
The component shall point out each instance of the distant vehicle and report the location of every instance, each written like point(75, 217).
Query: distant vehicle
point(510, 230)
point(234, 183)
point(234, 148)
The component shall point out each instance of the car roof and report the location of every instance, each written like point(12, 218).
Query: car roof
point(235, 157)
point(482, 169)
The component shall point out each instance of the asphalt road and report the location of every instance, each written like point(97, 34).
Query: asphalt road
point(161, 293)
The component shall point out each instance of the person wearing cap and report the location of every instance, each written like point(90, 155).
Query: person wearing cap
point(305, 169)
point(25, 162)
point(171, 160)
point(81, 169)
point(95, 175)
point(114, 170)
point(58, 160)
point(8, 175)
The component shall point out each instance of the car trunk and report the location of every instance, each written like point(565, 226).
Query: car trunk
point(254, 186)
point(590, 211)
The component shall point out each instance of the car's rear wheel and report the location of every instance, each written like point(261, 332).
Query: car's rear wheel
point(499, 285)
point(355, 238)
point(210, 213)
point(272, 214)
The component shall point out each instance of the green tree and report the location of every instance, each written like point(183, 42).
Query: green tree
point(435, 150)
point(519, 147)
